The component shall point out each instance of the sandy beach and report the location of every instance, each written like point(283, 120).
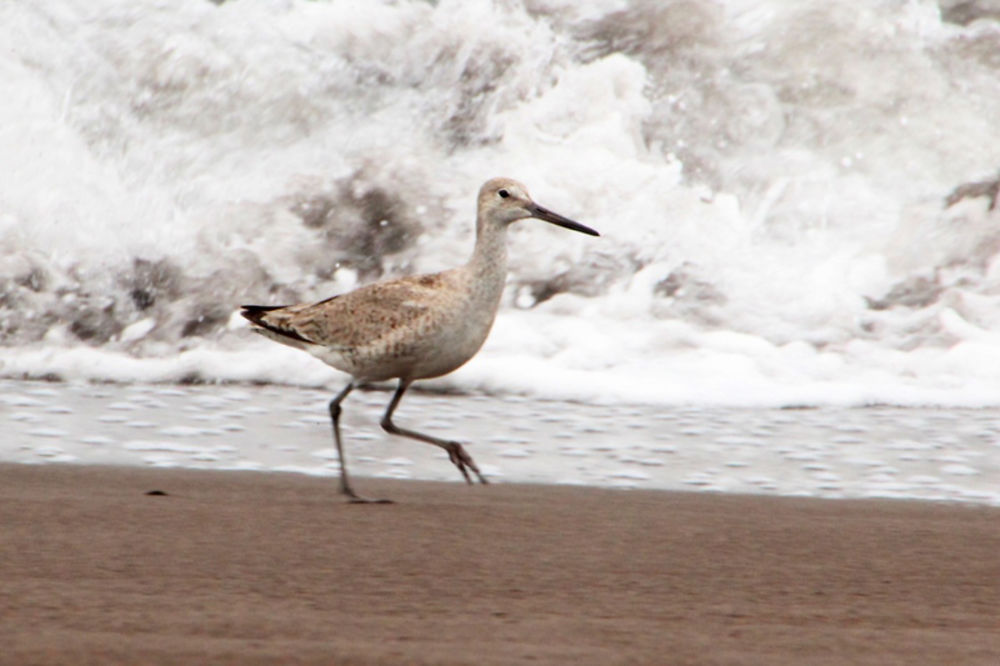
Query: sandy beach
point(250, 567)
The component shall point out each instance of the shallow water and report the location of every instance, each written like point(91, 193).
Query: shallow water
point(933, 454)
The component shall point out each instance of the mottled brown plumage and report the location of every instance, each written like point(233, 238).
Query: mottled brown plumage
point(413, 327)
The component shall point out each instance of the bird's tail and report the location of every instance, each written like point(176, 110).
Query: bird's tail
point(277, 330)
point(255, 313)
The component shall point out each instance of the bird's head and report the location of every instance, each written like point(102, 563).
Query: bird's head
point(504, 200)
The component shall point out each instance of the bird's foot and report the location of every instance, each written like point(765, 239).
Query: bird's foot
point(464, 462)
point(354, 498)
point(358, 499)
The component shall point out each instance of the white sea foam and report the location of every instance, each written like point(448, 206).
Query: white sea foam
point(768, 178)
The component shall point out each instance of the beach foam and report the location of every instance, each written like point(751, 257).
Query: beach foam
point(769, 182)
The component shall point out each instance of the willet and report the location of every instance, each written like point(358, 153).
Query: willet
point(413, 327)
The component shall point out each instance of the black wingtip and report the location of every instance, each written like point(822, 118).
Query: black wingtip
point(261, 308)
point(256, 314)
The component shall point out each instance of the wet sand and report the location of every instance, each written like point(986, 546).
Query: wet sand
point(249, 568)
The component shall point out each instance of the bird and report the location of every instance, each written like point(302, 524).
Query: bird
point(414, 327)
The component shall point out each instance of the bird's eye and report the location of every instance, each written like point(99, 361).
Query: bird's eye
point(503, 194)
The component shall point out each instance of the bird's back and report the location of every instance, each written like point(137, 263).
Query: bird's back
point(411, 327)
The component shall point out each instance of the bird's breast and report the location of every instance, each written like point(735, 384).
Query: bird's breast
point(460, 330)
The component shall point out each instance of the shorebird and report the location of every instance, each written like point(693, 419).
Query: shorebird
point(414, 327)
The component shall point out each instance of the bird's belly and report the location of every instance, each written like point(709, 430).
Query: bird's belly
point(447, 349)
point(425, 354)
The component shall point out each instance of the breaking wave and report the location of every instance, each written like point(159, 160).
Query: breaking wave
point(797, 200)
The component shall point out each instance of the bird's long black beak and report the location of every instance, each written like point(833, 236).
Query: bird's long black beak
point(557, 219)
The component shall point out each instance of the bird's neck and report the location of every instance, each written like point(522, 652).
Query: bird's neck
point(489, 258)
point(488, 271)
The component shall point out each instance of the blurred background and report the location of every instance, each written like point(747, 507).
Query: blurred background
point(797, 201)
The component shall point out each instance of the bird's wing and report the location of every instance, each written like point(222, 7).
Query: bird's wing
point(355, 319)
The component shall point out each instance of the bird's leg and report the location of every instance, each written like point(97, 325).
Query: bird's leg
point(345, 480)
point(456, 452)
